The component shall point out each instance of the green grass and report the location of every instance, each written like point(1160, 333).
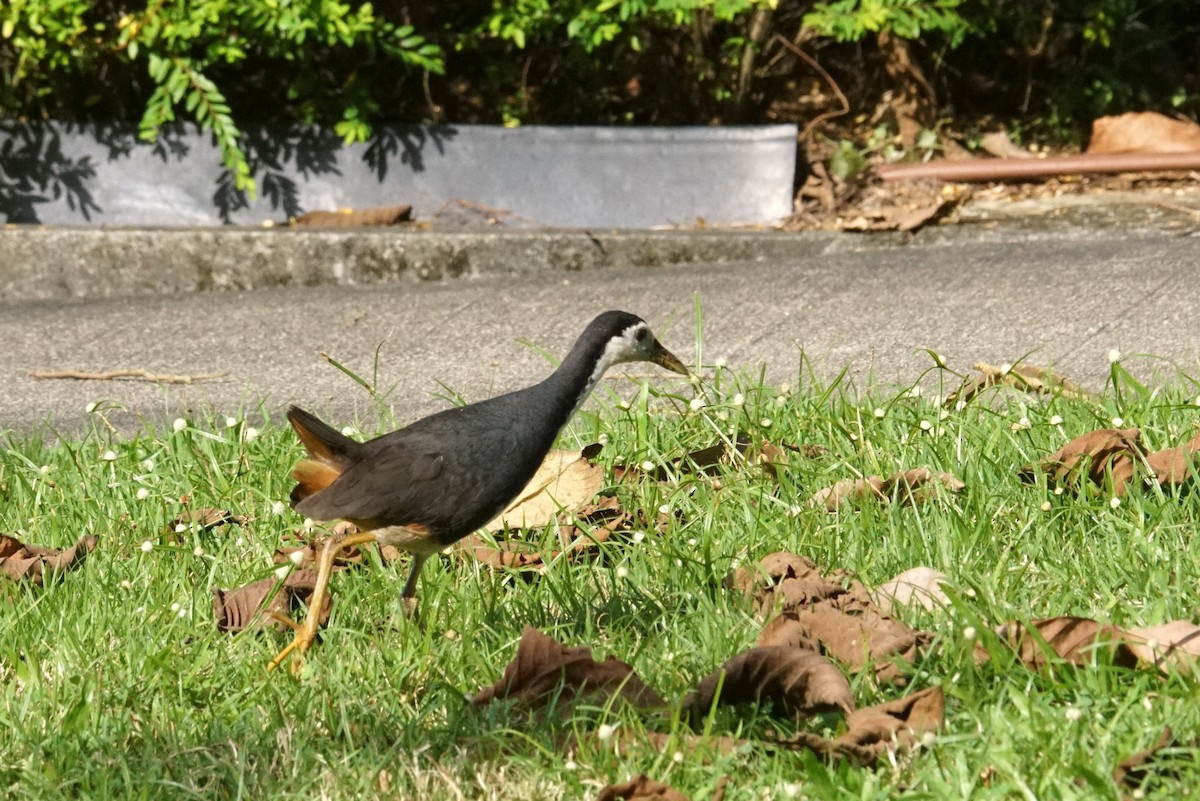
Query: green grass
point(114, 682)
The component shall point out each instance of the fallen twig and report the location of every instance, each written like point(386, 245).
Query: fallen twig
point(137, 375)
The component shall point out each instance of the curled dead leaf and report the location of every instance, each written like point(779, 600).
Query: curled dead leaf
point(1133, 771)
point(917, 585)
point(21, 562)
point(899, 723)
point(544, 668)
point(1022, 377)
point(258, 604)
point(207, 519)
point(1103, 455)
point(796, 682)
point(916, 485)
point(1073, 639)
point(641, 788)
point(566, 480)
point(1143, 132)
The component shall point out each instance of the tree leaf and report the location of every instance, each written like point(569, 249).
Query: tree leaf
point(796, 682)
point(20, 562)
point(565, 480)
point(544, 668)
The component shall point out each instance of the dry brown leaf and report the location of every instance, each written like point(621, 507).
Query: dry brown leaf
point(22, 562)
point(1143, 132)
point(579, 536)
point(919, 585)
point(1132, 771)
point(544, 668)
point(237, 609)
point(702, 461)
point(641, 788)
point(1107, 454)
point(999, 145)
point(382, 215)
point(1173, 465)
point(852, 491)
point(1023, 377)
point(796, 682)
point(307, 554)
point(903, 217)
point(207, 519)
point(566, 480)
point(1073, 639)
point(917, 485)
point(895, 723)
point(1174, 644)
point(832, 614)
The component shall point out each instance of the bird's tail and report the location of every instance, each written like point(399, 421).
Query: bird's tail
point(330, 453)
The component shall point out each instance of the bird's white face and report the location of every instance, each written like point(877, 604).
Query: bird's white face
point(631, 345)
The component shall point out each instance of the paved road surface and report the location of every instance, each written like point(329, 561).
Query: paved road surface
point(1067, 296)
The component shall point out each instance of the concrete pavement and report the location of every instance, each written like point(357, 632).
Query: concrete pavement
point(1065, 293)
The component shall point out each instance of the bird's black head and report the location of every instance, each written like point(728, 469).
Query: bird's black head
point(619, 336)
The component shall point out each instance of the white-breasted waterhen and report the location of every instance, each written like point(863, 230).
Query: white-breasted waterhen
point(430, 484)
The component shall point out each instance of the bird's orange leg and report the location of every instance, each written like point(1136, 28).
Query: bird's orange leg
point(307, 633)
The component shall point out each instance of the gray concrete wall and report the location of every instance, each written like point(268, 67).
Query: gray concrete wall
point(578, 177)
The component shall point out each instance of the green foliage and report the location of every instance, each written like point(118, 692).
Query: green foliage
point(311, 59)
point(851, 20)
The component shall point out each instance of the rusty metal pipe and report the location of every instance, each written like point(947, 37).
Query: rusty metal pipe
point(1017, 169)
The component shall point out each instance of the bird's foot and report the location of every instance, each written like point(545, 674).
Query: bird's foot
point(411, 608)
point(306, 635)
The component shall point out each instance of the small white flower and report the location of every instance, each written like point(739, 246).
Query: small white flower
point(197, 551)
point(970, 592)
point(780, 400)
point(180, 528)
point(853, 437)
point(1114, 502)
point(765, 422)
point(928, 739)
point(605, 732)
point(692, 541)
point(880, 412)
point(308, 525)
point(944, 414)
point(739, 399)
point(693, 378)
point(1197, 401)
point(179, 424)
point(1073, 713)
point(602, 439)
point(143, 493)
point(719, 362)
point(665, 509)
point(1117, 422)
point(126, 584)
point(960, 405)
point(282, 571)
point(148, 465)
point(349, 431)
point(91, 407)
point(1058, 490)
point(1022, 424)
point(785, 388)
point(677, 757)
point(175, 607)
point(182, 613)
point(696, 404)
point(915, 392)
point(926, 425)
point(109, 456)
point(147, 546)
point(1045, 507)
point(723, 416)
point(230, 422)
point(623, 406)
point(570, 764)
point(969, 633)
point(791, 789)
point(648, 466)
point(639, 536)
point(297, 557)
point(249, 434)
point(1006, 368)
point(1056, 420)
point(622, 572)
point(1114, 355)
point(278, 508)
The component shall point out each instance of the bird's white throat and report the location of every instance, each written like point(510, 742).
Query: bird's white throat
point(621, 348)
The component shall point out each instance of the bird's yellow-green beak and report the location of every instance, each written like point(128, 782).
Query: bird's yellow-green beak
point(664, 358)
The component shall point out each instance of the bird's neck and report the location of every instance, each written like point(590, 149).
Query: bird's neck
point(571, 384)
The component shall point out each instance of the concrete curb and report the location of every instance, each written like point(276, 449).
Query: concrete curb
point(39, 263)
